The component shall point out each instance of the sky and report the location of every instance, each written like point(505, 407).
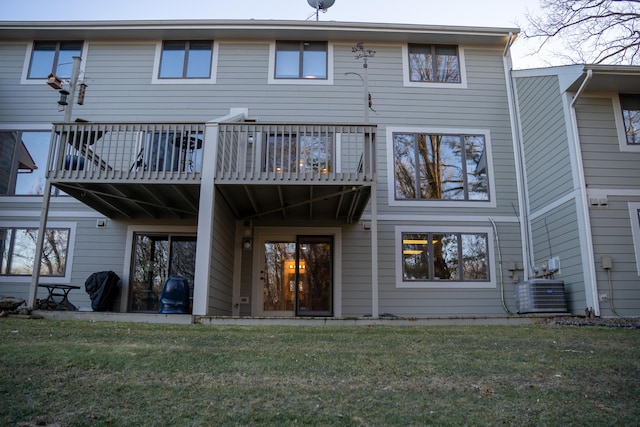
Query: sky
point(487, 13)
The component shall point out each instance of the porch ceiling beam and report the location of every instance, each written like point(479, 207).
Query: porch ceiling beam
point(340, 200)
point(310, 202)
point(294, 205)
point(224, 193)
point(251, 199)
point(282, 206)
point(93, 195)
point(160, 203)
point(127, 197)
point(184, 197)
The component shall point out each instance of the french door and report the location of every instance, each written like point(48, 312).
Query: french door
point(296, 275)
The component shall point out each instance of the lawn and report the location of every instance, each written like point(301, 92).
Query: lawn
point(71, 373)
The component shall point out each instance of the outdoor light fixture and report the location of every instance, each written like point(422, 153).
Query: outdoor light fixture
point(63, 97)
point(247, 243)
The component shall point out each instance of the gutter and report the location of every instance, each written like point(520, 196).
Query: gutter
point(591, 284)
point(518, 150)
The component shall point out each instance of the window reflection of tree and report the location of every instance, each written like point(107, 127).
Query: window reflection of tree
point(456, 256)
point(440, 167)
point(54, 252)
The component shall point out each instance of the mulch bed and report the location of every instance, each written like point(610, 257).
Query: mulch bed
point(611, 322)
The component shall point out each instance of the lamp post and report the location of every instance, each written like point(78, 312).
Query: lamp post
point(68, 109)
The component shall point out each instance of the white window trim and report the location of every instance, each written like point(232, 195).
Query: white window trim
point(182, 81)
point(635, 231)
point(24, 80)
point(491, 203)
point(399, 230)
point(440, 85)
point(70, 250)
point(272, 70)
point(622, 135)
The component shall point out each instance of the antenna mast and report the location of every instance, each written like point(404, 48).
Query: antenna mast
point(320, 5)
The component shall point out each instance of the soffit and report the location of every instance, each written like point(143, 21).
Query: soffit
point(253, 30)
point(619, 79)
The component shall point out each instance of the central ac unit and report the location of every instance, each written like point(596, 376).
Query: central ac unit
point(541, 296)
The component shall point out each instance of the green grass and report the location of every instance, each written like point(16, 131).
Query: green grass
point(83, 373)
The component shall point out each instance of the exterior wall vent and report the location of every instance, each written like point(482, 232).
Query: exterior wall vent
point(541, 296)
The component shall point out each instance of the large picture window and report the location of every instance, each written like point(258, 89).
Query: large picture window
point(301, 60)
point(53, 57)
point(440, 167)
point(186, 60)
point(434, 63)
point(630, 105)
point(18, 249)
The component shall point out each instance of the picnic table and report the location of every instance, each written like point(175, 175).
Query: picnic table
point(58, 298)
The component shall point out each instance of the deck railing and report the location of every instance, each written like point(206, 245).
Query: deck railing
point(152, 152)
point(294, 153)
point(132, 151)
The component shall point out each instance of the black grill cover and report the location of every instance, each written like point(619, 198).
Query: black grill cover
point(102, 288)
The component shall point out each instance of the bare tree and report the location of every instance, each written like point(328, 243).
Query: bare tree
point(589, 31)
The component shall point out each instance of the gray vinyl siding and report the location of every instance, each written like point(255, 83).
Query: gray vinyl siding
point(605, 166)
point(556, 234)
point(94, 249)
point(221, 281)
point(546, 149)
point(356, 271)
point(612, 237)
point(428, 302)
point(119, 75)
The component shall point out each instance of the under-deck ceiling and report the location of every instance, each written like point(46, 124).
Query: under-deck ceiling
point(297, 202)
point(128, 201)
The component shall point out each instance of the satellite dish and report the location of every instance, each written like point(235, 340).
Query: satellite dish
point(321, 4)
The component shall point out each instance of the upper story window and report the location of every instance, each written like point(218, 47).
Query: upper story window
point(630, 105)
point(301, 60)
point(186, 60)
point(434, 63)
point(53, 57)
point(434, 166)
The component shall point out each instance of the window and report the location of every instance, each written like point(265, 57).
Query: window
point(630, 105)
point(25, 153)
point(458, 257)
point(186, 60)
point(53, 57)
point(432, 166)
point(301, 60)
point(292, 153)
point(434, 63)
point(634, 215)
point(18, 248)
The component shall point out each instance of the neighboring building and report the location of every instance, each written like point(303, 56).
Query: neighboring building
point(243, 155)
point(581, 140)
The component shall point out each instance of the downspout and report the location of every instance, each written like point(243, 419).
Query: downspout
point(590, 278)
point(518, 152)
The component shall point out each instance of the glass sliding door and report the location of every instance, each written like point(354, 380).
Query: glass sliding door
point(297, 276)
point(315, 276)
point(156, 257)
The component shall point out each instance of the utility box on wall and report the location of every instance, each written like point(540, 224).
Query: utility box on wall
point(541, 296)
